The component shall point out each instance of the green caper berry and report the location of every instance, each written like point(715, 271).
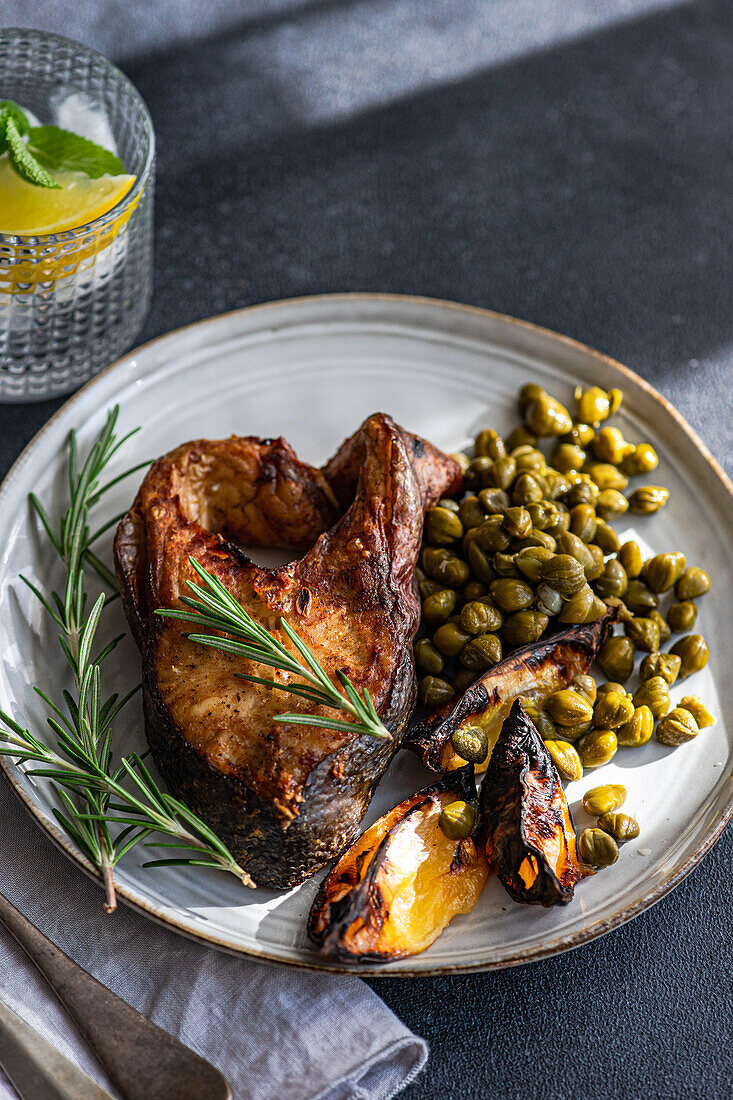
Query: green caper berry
point(480, 563)
point(576, 548)
point(528, 459)
point(611, 504)
point(597, 747)
point(609, 445)
point(491, 535)
point(648, 499)
point(517, 522)
point(682, 616)
point(449, 503)
point(653, 693)
point(481, 653)
point(641, 460)
point(503, 565)
point(568, 457)
point(439, 607)
point(582, 435)
point(457, 820)
point(434, 692)
point(663, 570)
point(530, 562)
point(549, 601)
point(612, 581)
point(557, 484)
point(583, 491)
point(546, 417)
point(471, 512)
point(612, 710)
point(471, 743)
point(639, 599)
point(535, 538)
point(452, 572)
point(565, 758)
point(607, 476)
point(698, 710)
point(568, 708)
point(666, 665)
point(526, 490)
point(478, 617)
point(612, 685)
point(511, 595)
point(450, 639)
point(677, 727)
point(500, 474)
point(544, 726)
point(565, 574)
point(520, 437)
point(594, 571)
point(462, 459)
point(638, 730)
point(585, 685)
point(489, 443)
point(606, 538)
point(528, 393)
point(429, 586)
point(478, 472)
point(583, 521)
point(644, 633)
point(693, 651)
point(597, 848)
point(616, 658)
point(584, 607)
point(693, 583)
point(494, 501)
point(473, 590)
point(560, 524)
point(524, 627)
point(593, 404)
point(428, 657)
point(621, 827)
point(542, 515)
point(605, 799)
point(630, 557)
point(432, 557)
point(665, 632)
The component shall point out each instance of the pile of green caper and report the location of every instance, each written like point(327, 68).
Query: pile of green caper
point(600, 846)
point(529, 547)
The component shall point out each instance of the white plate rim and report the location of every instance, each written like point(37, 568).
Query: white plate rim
point(402, 969)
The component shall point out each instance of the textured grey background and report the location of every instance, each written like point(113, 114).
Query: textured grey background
point(566, 162)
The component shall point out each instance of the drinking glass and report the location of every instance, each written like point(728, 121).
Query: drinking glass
point(71, 302)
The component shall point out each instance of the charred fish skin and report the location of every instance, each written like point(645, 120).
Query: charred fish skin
point(350, 910)
point(286, 799)
point(552, 663)
point(530, 837)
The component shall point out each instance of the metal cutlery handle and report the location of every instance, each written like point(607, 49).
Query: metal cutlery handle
point(36, 1068)
point(143, 1061)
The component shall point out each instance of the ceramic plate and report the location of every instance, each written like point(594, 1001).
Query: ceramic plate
point(311, 370)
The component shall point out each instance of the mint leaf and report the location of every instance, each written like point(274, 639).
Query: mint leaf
point(10, 109)
point(58, 149)
point(22, 160)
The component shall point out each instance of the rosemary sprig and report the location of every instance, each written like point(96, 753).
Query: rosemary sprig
point(80, 766)
point(213, 606)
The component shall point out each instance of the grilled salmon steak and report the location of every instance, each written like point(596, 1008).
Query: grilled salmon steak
point(285, 798)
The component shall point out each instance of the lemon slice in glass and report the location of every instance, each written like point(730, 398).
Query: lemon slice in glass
point(35, 211)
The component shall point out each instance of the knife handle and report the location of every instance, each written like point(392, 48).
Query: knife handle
point(143, 1060)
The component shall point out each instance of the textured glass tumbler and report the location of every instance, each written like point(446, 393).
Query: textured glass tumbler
point(72, 302)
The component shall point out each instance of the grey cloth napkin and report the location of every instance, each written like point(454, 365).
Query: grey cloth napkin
point(277, 1034)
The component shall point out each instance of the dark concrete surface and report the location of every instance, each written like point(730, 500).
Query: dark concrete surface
point(569, 164)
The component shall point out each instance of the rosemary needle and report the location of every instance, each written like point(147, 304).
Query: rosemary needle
point(213, 606)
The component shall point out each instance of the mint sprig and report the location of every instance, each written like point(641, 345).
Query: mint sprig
point(50, 149)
